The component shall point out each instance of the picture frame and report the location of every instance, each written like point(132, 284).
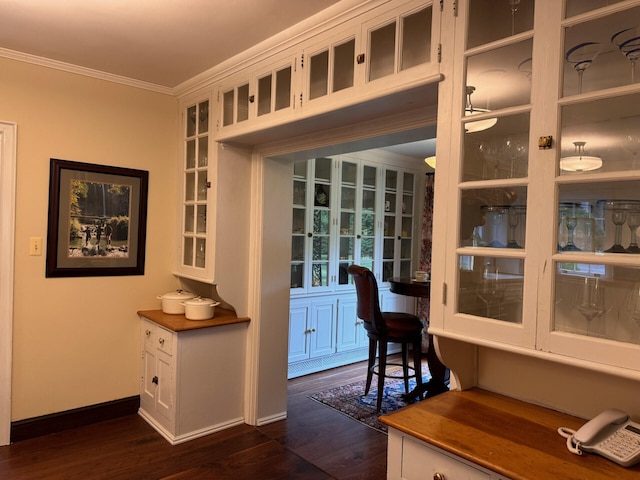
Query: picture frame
point(97, 220)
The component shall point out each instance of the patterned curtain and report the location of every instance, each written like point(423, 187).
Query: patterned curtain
point(425, 250)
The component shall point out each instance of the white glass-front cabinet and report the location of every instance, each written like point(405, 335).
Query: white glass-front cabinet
point(379, 50)
point(543, 169)
point(194, 257)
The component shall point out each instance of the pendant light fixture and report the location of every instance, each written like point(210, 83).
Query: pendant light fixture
point(579, 162)
point(479, 125)
point(431, 161)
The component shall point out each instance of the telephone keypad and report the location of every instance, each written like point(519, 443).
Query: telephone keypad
point(623, 444)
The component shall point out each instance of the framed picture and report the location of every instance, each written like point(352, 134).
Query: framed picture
point(97, 220)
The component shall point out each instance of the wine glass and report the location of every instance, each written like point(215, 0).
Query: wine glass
point(513, 4)
point(590, 300)
point(633, 222)
point(496, 216)
point(513, 218)
point(628, 42)
point(619, 218)
point(582, 56)
point(568, 213)
point(632, 304)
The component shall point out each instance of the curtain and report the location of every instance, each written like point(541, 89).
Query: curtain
point(425, 250)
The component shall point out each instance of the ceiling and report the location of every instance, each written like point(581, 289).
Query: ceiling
point(163, 42)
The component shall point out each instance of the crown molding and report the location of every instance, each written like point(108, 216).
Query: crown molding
point(87, 72)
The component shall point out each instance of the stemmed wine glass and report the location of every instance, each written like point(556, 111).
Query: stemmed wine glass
point(513, 218)
point(582, 56)
point(568, 212)
point(619, 218)
point(632, 304)
point(513, 4)
point(590, 299)
point(633, 222)
point(496, 215)
point(628, 42)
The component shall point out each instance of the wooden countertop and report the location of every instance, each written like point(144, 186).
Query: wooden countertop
point(512, 438)
point(179, 323)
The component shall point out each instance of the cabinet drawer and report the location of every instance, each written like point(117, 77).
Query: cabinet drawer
point(420, 461)
point(158, 337)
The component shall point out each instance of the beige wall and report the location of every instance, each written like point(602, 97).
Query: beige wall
point(76, 339)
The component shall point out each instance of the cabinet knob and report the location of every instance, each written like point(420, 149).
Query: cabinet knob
point(309, 234)
point(161, 341)
point(360, 59)
point(358, 236)
point(147, 332)
point(154, 380)
point(439, 476)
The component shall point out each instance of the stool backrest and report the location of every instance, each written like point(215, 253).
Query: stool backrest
point(368, 307)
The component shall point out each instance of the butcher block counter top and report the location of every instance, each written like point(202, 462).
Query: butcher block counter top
point(510, 437)
point(179, 323)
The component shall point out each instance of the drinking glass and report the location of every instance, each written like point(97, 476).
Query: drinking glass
point(633, 222)
point(581, 57)
point(628, 42)
point(632, 304)
point(590, 299)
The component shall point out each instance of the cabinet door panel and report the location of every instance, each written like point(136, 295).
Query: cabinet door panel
point(323, 329)
point(149, 388)
point(166, 386)
point(298, 333)
point(350, 328)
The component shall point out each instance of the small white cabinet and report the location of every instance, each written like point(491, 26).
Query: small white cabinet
point(191, 380)
point(413, 459)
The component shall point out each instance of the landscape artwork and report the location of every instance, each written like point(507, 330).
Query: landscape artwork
point(97, 220)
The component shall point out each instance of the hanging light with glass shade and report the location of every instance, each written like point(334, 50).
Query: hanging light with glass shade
point(479, 125)
point(579, 161)
point(431, 161)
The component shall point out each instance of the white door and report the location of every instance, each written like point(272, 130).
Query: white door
point(7, 227)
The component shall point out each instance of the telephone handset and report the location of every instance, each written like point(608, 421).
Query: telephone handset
point(611, 434)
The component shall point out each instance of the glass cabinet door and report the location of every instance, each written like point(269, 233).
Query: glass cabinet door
point(398, 42)
point(347, 220)
point(196, 186)
point(494, 101)
point(367, 231)
point(399, 196)
point(596, 283)
point(299, 226)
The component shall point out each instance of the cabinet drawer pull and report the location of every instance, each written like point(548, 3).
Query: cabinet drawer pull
point(439, 476)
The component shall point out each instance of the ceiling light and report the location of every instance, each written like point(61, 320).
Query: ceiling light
point(580, 162)
point(469, 110)
point(431, 161)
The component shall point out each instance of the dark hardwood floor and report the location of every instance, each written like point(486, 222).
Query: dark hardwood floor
point(314, 442)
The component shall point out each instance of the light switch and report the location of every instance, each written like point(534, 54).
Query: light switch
point(35, 246)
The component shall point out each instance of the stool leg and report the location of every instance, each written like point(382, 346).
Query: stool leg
point(373, 346)
point(417, 365)
point(405, 366)
point(382, 371)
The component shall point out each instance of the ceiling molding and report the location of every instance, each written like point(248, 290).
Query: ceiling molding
point(87, 72)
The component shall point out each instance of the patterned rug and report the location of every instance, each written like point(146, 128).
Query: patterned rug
point(351, 401)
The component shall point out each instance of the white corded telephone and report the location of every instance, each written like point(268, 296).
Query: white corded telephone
point(611, 434)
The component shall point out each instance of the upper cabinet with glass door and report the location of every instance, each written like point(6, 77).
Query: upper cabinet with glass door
point(545, 127)
point(194, 259)
point(250, 100)
point(384, 49)
point(596, 266)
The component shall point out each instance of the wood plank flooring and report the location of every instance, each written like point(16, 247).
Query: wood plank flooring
point(313, 443)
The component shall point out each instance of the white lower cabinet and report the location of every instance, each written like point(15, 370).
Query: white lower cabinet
point(413, 459)
point(192, 380)
point(325, 332)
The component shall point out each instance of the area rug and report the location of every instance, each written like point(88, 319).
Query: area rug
point(351, 401)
